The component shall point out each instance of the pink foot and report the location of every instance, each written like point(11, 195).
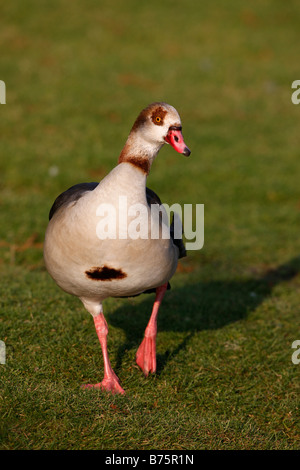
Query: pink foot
point(146, 355)
point(110, 384)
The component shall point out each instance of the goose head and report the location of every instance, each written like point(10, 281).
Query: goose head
point(155, 126)
point(159, 124)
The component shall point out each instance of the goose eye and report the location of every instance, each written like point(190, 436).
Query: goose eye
point(157, 117)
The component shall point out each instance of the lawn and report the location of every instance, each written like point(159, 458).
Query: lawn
point(77, 73)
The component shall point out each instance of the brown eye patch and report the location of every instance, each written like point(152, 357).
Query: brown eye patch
point(158, 116)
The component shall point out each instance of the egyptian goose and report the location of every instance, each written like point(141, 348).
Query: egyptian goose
point(94, 268)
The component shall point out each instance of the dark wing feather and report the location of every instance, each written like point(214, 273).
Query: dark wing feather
point(71, 195)
point(152, 198)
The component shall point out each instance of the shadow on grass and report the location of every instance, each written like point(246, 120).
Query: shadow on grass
point(197, 307)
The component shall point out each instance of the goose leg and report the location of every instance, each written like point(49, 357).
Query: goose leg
point(110, 381)
point(146, 354)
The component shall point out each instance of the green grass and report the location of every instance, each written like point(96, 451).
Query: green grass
point(77, 73)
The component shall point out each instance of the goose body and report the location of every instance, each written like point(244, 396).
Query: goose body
point(93, 265)
point(77, 251)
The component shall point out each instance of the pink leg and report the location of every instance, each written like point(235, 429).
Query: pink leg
point(110, 381)
point(146, 354)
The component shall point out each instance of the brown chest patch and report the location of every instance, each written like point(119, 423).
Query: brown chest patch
point(141, 163)
point(105, 273)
